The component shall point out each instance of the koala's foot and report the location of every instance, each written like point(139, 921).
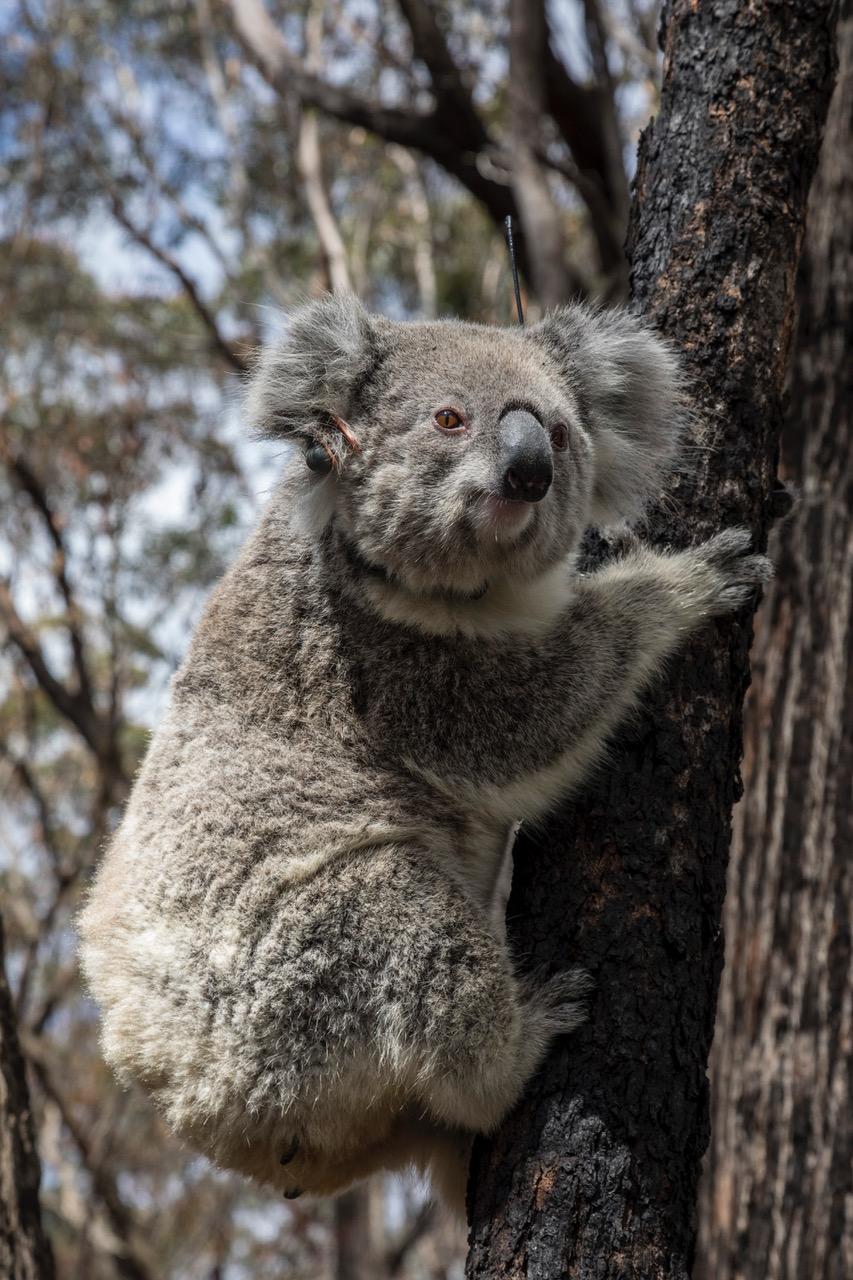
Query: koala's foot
point(558, 1005)
point(728, 570)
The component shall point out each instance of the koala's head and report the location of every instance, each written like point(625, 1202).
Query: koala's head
point(463, 454)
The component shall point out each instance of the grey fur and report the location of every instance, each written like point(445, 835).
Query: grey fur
point(296, 937)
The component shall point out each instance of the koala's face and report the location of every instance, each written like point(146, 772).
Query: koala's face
point(473, 462)
point(470, 453)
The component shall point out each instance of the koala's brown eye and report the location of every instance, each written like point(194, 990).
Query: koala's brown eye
point(559, 437)
point(448, 420)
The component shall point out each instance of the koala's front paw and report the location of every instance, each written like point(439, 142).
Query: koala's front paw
point(735, 569)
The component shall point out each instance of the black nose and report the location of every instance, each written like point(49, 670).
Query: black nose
point(526, 462)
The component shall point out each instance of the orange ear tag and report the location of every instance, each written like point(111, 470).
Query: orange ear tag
point(347, 433)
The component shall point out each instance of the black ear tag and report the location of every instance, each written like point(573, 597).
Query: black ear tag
point(318, 459)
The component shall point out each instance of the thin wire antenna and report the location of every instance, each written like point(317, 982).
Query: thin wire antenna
point(510, 244)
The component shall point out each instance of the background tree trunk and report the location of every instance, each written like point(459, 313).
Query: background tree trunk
point(24, 1251)
point(355, 1256)
point(777, 1199)
point(595, 1173)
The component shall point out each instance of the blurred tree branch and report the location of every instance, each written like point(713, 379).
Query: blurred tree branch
point(78, 706)
point(129, 1260)
point(399, 1250)
point(24, 1251)
point(331, 241)
point(541, 217)
point(171, 263)
point(453, 144)
point(30, 484)
point(71, 704)
point(454, 135)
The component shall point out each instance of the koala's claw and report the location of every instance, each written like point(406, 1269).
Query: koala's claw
point(738, 569)
point(293, 1194)
point(290, 1152)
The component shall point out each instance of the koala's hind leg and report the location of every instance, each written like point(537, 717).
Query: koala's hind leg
point(463, 1033)
point(481, 1074)
point(480, 1032)
point(415, 1016)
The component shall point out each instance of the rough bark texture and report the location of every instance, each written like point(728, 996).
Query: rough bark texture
point(595, 1174)
point(24, 1251)
point(777, 1200)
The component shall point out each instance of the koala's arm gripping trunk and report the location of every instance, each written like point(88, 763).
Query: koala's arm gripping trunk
point(595, 1173)
point(560, 699)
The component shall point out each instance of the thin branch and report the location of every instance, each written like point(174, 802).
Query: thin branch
point(646, 22)
point(541, 217)
point(125, 123)
point(32, 486)
point(218, 87)
point(435, 133)
point(606, 228)
point(72, 706)
point(400, 1249)
point(331, 241)
point(186, 282)
point(585, 115)
point(65, 982)
point(419, 222)
point(452, 95)
point(254, 254)
point(129, 1263)
point(29, 782)
point(266, 47)
point(612, 142)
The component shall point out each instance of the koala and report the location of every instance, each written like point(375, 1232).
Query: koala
point(297, 937)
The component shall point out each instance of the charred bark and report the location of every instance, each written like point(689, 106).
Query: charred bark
point(777, 1195)
point(24, 1251)
point(595, 1174)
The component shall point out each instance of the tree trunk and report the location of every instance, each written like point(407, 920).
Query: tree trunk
point(595, 1173)
point(541, 216)
point(355, 1256)
point(777, 1199)
point(24, 1251)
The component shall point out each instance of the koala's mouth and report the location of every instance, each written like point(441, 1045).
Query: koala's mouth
point(504, 519)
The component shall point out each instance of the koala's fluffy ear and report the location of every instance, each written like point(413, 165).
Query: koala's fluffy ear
point(630, 392)
point(310, 374)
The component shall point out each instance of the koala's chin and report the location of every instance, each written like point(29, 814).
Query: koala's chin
point(465, 553)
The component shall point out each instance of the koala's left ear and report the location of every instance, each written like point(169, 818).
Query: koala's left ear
point(311, 373)
point(630, 393)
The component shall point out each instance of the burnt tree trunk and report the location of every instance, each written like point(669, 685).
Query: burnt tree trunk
point(595, 1174)
point(24, 1251)
point(777, 1199)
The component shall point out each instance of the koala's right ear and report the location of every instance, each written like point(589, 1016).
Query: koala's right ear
point(301, 382)
point(630, 391)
